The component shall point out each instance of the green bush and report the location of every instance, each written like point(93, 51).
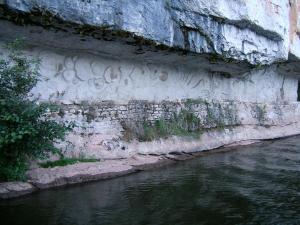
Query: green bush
point(27, 130)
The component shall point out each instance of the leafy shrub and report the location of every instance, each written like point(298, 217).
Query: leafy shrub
point(27, 130)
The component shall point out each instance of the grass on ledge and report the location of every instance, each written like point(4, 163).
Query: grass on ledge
point(186, 123)
point(65, 162)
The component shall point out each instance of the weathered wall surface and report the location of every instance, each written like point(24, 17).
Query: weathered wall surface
point(113, 66)
point(75, 77)
point(102, 130)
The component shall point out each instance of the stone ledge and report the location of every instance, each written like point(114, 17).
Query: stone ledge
point(15, 189)
point(84, 172)
point(41, 178)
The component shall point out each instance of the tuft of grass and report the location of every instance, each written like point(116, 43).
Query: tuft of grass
point(260, 113)
point(65, 162)
point(184, 124)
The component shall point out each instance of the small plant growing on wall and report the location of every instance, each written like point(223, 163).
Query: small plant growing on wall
point(260, 113)
point(183, 124)
point(27, 130)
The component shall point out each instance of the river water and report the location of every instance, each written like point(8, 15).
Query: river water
point(257, 184)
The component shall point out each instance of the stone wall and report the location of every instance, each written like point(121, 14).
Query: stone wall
point(110, 100)
point(102, 129)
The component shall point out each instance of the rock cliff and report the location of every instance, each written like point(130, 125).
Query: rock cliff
point(258, 32)
point(117, 65)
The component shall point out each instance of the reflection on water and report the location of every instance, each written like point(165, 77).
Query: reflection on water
point(258, 184)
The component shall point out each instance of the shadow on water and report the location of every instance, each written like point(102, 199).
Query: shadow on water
point(257, 184)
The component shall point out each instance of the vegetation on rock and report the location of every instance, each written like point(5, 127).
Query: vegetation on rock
point(193, 118)
point(183, 124)
point(27, 130)
point(66, 161)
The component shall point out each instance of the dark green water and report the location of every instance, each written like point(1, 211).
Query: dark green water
point(258, 184)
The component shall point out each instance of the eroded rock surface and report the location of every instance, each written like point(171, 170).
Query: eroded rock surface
point(42, 178)
point(15, 189)
point(258, 32)
point(84, 172)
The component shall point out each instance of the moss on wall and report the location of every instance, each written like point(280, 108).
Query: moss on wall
point(194, 116)
point(259, 112)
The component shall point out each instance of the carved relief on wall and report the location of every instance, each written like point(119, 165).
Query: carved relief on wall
point(83, 77)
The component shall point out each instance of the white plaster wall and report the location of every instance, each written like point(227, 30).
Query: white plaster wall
point(70, 77)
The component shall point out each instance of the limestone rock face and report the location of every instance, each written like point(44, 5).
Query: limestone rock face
point(257, 32)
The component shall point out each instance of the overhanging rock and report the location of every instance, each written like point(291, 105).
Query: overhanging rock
point(222, 36)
